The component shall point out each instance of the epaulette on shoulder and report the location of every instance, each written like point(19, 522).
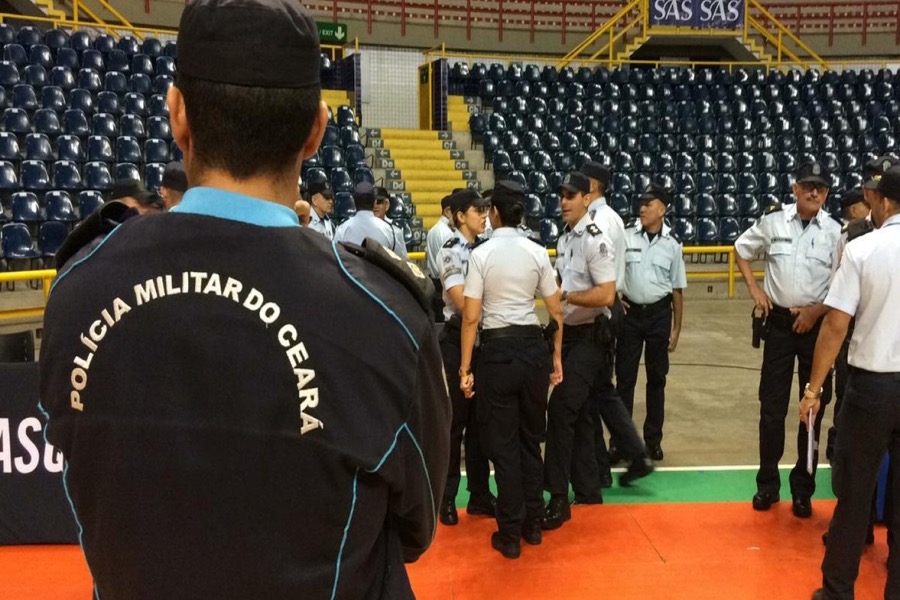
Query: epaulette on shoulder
point(838, 220)
point(774, 208)
point(674, 236)
point(404, 271)
point(593, 229)
point(451, 242)
point(857, 228)
point(632, 222)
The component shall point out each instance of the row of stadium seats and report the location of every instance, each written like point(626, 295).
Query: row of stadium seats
point(34, 176)
point(43, 57)
point(704, 231)
point(53, 98)
point(86, 79)
point(462, 74)
point(55, 205)
point(80, 41)
point(17, 245)
point(75, 122)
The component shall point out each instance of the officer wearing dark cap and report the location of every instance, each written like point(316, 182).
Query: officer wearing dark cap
point(865, 287)
point(653, 295)
point(364, 224)
point(798, 242)
point(469, 211)
point(267, 452)
point(515, 368)
point(133, 194)
point(174, 184)
point(321, 202)
point(437, 236)
point(382, 205)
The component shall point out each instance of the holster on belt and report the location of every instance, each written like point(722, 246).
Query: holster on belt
point(604, 338)
point(549, 332)
point(760, 326)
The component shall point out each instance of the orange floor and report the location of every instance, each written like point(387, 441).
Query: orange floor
point(622, 552)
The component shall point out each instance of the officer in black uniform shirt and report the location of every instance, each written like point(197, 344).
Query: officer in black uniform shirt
point(227, 429)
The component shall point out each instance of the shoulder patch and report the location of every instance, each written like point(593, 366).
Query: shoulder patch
point(674, 235)
point(404, 271)
point(773, 208)
point(593, 229)
point(857, 228)
point(451, 242)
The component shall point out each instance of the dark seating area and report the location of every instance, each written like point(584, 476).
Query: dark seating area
point(726, 143)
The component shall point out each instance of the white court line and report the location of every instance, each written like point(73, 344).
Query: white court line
point(705, 468)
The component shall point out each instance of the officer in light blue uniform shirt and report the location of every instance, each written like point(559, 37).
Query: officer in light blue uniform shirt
point(364, 224)
point(798, 242)
point(652, 293)
point(321, 202)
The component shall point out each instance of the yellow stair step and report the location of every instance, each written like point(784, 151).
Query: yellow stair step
point(427, 210)
point(428, 222)
point(426, 198)
point(431, 185)
point(449, 174)
point(408, 134)
point(411, 164)
point(390, 144)
point(423, 153)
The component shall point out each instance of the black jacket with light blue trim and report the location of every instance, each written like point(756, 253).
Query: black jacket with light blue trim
point(187, 468)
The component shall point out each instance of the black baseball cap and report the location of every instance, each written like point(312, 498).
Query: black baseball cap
point(595, 170)
point(889, 184)
point(655, 191)
point(132, 188)
point(463, 199)
point(813, 172)
point(851, 197)
point(507, 193)
point(214, 37)
point(576, 182)
point(445, 202)
point(320, 186)
point(875, 168)
point(174, 177)
point(381, 193)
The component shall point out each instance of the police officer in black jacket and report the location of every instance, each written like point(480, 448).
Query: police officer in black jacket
point(227, 429)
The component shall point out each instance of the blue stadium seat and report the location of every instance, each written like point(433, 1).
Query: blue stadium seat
point(9, 74)
point(99, 148)
point(89, 201)
point(152, 47)
point(59, 206)
point(563, 161)
point(38, 147)
point(15, 54)
point(355, 156)
point(140, 83)
point(549, 232)
point(363, 174)
point(341, 180)
point(9, 180)
point(95, 176)
point(15, 120)
point(9, 147)
point(707, 231)
point(158, 127)
point(153, 175)
point(35, 76)
point(53, 98)
point(104, 124)
point(26, 208)
point(66, 175)
point(93, 59)
point(133, 125)
point(88, 79)
point(705, 162)
point(108, 102)
point(165, 66)
point(728, 205)
point(127, 171)
point(79, 41)
point(34, 176)
point(765, 161)
point(729, 230)
point(104, 43)
point(51, 236)
point(706, 205)
point(69, 147)
point(40, 55)
point(727, 184)
point(686, 230)
point(128, 150)
point(68, 58)
point(129, 45)
point(157, 107)
point(117, 60)
point(46, 121)
point(171, 50)
point(115, 81)
point(344, 207)
point(17, 243)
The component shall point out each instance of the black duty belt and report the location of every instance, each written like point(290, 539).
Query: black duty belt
point(578, 332)
point(512, 331)
point(649, 309)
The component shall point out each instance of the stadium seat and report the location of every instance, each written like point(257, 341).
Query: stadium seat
point(35, 76)
point(129, 45)
point(115, 81)
point(51, 236)
point(66, 58)
point(118, 61)
point(158, 127)
point(162, 83)
point(153, 175)
point(66, 175)
point(707, 231)
point(706, 205)
point(127, 171)
point(80, 41)
point(729, 230)
point(17, 243)
point(157, 107)
point(99, 148)
point(108, 102)
point(46, 121)
point(25, 208)
point(52, 98)
point(34, 176)
point(9, 147)
point(56, 39)
point(344, 207)
point(685, 230)
point(95, 176)
point(93, 59)
point(89, 201)
point(88, 79)
point(128, 150)
point(59, 207)
point(140, 83)
point(549, 233)
point(152, 47)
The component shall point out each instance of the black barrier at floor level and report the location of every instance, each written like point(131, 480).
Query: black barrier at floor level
point(33, 504)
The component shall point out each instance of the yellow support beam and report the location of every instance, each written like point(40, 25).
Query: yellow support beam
point(784, 31)
point(597, 34)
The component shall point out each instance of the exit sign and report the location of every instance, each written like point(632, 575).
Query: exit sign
point(332, 33)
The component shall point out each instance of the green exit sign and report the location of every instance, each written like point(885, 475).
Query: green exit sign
point(332, 33)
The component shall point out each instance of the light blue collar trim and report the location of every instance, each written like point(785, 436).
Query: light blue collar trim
point(213, 202)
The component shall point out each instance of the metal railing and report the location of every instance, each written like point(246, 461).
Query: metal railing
point(45, 276)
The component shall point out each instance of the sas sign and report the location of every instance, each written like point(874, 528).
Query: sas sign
point(700, 14)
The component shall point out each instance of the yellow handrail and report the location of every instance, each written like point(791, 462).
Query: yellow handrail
point(596, 34)
point(776, 41)
point(45, 275)
point(785, 31)
point(119, 16)
point(615, 38)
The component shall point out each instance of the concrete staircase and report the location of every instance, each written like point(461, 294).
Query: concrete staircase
point(422, 166)
point(458, 110)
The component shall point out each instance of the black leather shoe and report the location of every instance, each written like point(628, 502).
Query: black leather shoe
point(557, 513)
point(485, 506)
point(763, 500)
point(606, 480)
point(802, 507)
point(531, 532)
point(505, 545)
point(448, 515)
point(592, 499)
point(615, 457)
point(640, 467)
point(655, 451)
point(819, 594)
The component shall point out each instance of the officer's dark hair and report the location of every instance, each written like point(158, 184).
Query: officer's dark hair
point(247, 131)
point(510, 214)
point(364, 203)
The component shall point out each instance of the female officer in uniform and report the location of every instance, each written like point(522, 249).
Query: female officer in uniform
point(505, 274)
point(469, 212)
